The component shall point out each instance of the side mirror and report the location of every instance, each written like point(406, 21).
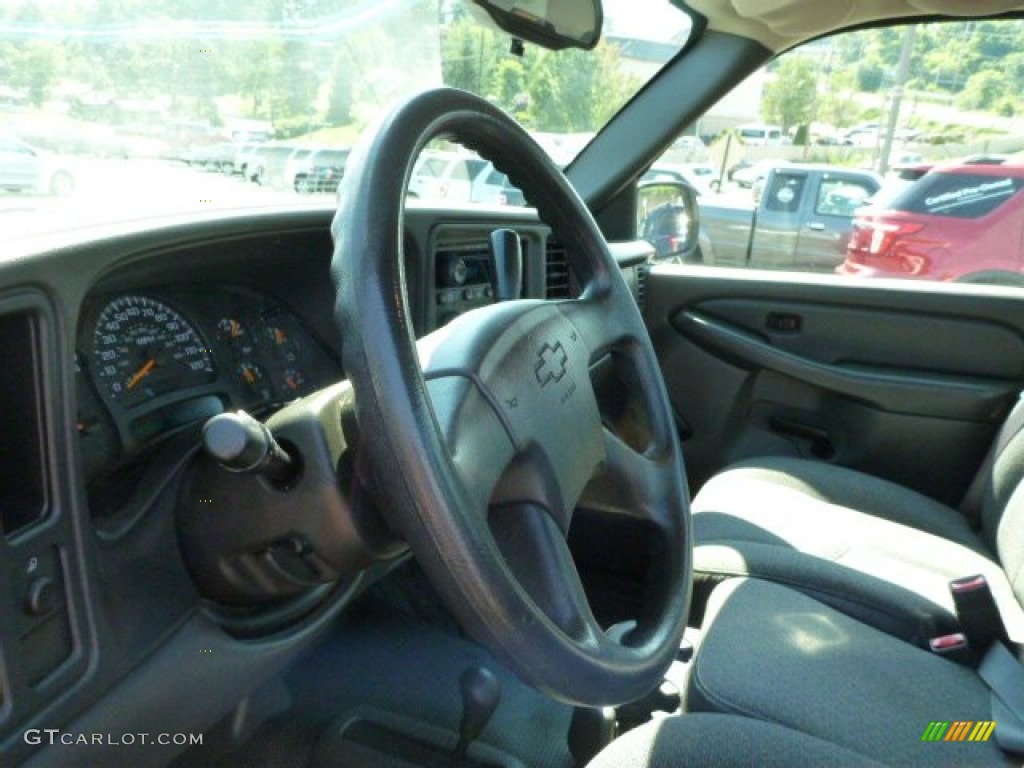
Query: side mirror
point(669, 219)
point(554, 25)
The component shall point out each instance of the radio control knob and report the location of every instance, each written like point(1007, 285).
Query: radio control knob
point(459, 271)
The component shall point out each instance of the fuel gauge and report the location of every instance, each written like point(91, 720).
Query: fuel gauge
point(278, 339)
point(237, 336)
point(255, 381)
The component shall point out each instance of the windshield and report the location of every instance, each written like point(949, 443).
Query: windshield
point(124, 109)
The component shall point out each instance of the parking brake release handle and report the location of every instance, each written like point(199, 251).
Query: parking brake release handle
point(506, 264)
point(481, 694)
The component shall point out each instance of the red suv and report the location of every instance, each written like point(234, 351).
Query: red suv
point(957, 222)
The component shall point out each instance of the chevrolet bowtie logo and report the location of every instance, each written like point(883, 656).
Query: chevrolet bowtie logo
point(552, 363)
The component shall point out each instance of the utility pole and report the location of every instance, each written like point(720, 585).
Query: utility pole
point(902, 73)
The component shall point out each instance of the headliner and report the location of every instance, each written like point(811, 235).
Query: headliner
point(782, 24)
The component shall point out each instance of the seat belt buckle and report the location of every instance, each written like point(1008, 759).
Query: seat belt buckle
point(977, 612)
point(954, 647)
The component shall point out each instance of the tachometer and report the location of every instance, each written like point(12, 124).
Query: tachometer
point(142, 348)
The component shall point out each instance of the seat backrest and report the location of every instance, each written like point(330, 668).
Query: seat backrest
point(1002, 500)
point(1010, 539)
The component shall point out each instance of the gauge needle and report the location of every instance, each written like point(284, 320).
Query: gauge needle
point(141, 373)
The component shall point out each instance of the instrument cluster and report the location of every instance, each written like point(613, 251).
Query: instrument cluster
point(151, 361)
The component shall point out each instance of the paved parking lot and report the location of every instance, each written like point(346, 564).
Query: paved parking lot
point(120, 189)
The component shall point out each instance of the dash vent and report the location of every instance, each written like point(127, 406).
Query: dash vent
point(641, 286)
point(558, 278)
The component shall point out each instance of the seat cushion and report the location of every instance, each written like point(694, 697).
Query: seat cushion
point(772, 653)
point(803, 481)
point(724, 741)
point(875, 550)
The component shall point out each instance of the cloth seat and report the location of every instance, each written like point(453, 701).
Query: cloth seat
point(773, 653)
point(877, 551)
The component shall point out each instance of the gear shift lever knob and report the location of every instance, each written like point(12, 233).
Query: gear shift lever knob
point(507, 264)
point(481, 693)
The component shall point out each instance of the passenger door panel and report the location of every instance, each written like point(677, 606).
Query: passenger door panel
point(904, 383)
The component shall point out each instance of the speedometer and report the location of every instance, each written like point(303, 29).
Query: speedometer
point(142, 349)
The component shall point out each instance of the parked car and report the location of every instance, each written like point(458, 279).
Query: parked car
point(801, 221)
point(321, 171)
point(761, 135)
point(256, 162)
point(986, 158)
point(899, 177)
point(509, 194)
point(219, 157)
point(703, 177)
point(24, 168)
point(241, 158)
point(445, 176)
point(492, 187)
point(749, 176)
point(957, 222)
point(279, 170)
point(739, 165)
point(214, 156)
point(459, 177)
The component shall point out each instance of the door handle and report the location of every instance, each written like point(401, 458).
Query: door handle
point(817, 226)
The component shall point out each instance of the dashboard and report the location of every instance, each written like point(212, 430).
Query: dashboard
point(118, 347)
point(243, 321)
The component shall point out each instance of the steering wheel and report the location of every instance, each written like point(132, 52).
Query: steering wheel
point(481, 438)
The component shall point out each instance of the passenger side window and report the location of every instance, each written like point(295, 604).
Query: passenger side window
point(848, 158)
point(840, 197)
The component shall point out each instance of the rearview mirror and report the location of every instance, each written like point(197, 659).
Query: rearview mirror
point(553, 24)
point(669, 219)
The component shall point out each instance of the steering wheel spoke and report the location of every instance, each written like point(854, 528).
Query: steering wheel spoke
point(535, 549)
point(637, 484)
point(478, 442)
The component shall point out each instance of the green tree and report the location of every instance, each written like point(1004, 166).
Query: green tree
point(510, 88)
point(790, 97)
point(340, 107)
point(469, 54)
point(573, 91)
point(838, 106)
point(994, 39)
point(34, 67)
point(985, 90)
point(870, 76)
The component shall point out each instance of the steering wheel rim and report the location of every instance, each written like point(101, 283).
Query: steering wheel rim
point(470, 455)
